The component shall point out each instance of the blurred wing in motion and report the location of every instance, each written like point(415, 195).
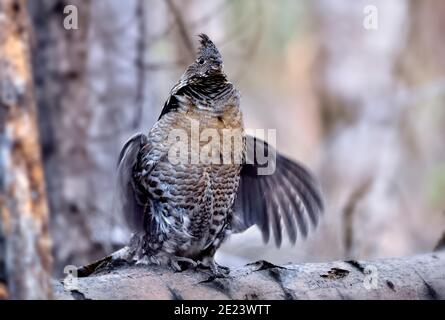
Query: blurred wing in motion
point(131, 198)
point(288, 196)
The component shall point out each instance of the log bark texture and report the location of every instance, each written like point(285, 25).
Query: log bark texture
point(418, 277)
point(25, 255)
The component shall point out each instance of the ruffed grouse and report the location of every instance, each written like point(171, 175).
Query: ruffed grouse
point(182, 208)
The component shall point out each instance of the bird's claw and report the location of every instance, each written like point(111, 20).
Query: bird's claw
point(217, 270)
point(175, 260)
point(144, 261)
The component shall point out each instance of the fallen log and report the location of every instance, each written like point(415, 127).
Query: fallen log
point(417, 277)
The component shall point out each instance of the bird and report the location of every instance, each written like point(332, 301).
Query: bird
point(182, 208)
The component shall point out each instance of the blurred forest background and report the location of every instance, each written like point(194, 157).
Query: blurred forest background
point(364, 109)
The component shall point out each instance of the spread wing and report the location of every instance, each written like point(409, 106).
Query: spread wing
point(131, 197)
point(289, 196)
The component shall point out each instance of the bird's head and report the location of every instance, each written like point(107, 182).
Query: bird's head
point(208, 62)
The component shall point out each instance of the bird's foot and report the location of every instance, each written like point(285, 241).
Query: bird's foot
point(217, 270)
point(144, 261)
point(176, 262)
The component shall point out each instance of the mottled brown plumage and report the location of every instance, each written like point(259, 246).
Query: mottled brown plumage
point(182, 212)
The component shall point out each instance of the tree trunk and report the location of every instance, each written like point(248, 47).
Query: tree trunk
point(25, 259)
point(418, 277)
point(86, 89)
point(60, 62)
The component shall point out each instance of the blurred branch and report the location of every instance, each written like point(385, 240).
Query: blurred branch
point(441, 243)
point(183, 30)
point(348, 213)
point(140, 63)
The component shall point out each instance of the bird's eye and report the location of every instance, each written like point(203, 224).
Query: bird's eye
point(201, 61)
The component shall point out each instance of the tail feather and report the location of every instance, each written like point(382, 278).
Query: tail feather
point(129, 195)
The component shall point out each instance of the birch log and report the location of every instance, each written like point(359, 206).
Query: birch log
point(418, 277)
point(25, 258)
